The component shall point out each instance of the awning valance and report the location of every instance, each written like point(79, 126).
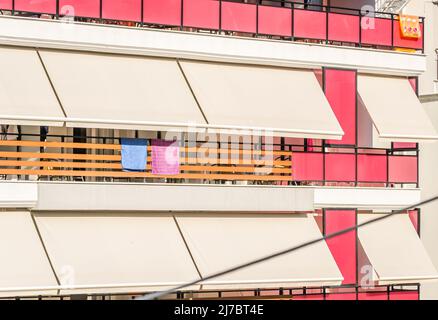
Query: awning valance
point(121, 92)
point(394, 250)
point(218, 242)
point(287, 102)
point(25, 268)
point(395, 109)
point(26, 95)
point(116, 253)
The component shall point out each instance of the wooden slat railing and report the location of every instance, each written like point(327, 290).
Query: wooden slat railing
point(226, 164)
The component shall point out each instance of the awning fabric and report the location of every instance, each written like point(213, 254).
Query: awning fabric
point(121, 92)
point(394, 250)
point(222, 241)
point(288, 102)
point(26, 96)
point(395, 109)
point(25, 268)
point(116, 253)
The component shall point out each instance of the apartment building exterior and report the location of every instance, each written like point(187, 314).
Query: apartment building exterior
point(261, 125)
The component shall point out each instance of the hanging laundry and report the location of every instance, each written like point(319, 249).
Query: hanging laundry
point(134, 154)
point(165, 157)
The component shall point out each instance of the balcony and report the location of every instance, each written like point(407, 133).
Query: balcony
point(286, 161)
point(284, 20)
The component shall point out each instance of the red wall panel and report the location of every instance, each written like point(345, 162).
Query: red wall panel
point(414, 216)
point(127, 10)
point(239, 17)
point(6, 4)
point(340, 90)
point(376, 31)
point(343, 27)
point(201, 14)
point(343, 247)
point(340, 167)
point(275, 21)
point(341, 296)
point(373, 296)
point(81, 8)
point(371, 168)
point(404, 295)
point(307, 166)
point(401, 42)
point(309, 24)
point(309, 297)
point(167, 12)
point(403, 169)
point(41, 6)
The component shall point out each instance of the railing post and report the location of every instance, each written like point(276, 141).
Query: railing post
point(418, 166)
point(392, 31)
point(292, 21)
point(387, 168)
point(141, 13)
point(257, 18)
point(57, 9)
point(360, 28)
point(327, 10)
point(220, 16)
point(13, 7)
point(323, 163)
point(181, 27)
point(423, 30)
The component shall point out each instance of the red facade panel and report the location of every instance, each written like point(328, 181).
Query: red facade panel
point(343, 27)
point(404, 295)
point(402, 169)
point(127, 10)
point(309, 24)
point(307, 166)
point(341, 93)
point(6, 4)
point(166, 12)
point(341, 296)
point(414, 216)
point(340, 167)
point(371, 168)
point(309, 297)
point(275, 21)
point(343, 247)
point(78, 8)
point(401, 42)
point(376, 31)
point(41, 6)
point(373, 296)
point(202, 14)
point(239, 17)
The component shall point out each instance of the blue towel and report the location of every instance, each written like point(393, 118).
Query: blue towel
point(134, 154)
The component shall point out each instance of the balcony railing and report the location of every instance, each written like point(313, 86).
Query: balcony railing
point(281, 164)
point(286, 20)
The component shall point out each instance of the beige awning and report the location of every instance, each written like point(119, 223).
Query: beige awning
point(395, 109)
point(26, 96)
point(286, 102)
point(394, 250)
point(113, 253)
point(122, 92)
point(218, 242)
point(24, 267)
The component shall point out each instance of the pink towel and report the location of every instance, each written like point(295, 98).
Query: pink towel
point(165, 157)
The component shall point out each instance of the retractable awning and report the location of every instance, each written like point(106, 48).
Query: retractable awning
point(101, 253)
point(218, 242)
point(25, 269)
point(122, 92)
point(395, 109)
point(26, 95)
point(287, 102)
point(394, 250)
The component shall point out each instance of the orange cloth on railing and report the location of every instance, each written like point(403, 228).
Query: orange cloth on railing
point(410, 26)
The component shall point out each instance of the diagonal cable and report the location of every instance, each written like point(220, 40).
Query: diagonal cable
point(159, 294)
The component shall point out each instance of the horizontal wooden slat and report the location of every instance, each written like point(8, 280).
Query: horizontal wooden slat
point(95, 165)
point(70, 156)
point(121, 174)
point(117, 147)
